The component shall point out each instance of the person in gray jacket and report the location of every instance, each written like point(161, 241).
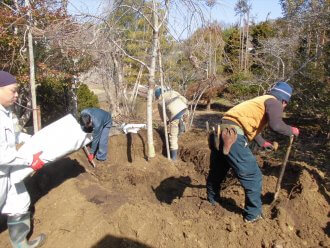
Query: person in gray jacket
point(98, 122)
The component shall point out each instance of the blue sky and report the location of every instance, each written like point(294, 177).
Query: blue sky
point(260, 9)
point(222, 12)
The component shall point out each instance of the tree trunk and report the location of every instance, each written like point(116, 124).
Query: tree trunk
point(32, 70)
point(152, 72)
point(107, 78)
point(25, 112)
point(119, 83)
point(246, 59)
point(135, 89)
point(163, 102)
point(208, 104)
point(209, 69)
point(240, 44)
point(73, 96)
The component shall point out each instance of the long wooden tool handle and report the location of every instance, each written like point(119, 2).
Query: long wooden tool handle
point(279, 180)
point(87, 153)
point(207, 126)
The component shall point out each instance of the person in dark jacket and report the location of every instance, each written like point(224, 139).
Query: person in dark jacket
point(98, 122)
point(239, 126)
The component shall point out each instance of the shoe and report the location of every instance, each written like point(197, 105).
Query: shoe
point(259, 217)
point(213, 199)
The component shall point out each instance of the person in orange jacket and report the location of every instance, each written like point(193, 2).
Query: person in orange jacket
point(247, 120)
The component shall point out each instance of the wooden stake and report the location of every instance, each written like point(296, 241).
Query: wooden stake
point(207, 126)
point(39, 117)
point(218, 131)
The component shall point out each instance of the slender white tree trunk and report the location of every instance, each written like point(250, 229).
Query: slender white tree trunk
point(32, 70)
point(163, 101)
point(151, 147)
point(242, 47)
point(152, 72)
point(240, 43)
point(247, 42)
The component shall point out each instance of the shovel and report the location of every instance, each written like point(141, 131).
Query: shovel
point(87, 152)
point(279, 180)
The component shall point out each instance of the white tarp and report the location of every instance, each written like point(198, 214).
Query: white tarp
point(132, 128)
point(56, 140)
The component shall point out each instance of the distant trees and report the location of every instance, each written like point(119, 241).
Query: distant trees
point(308, 72)
point(153, 17)
point(56, 58)
point(293, 48)
point(133, 45)
point(242, 8)
point(205, 50)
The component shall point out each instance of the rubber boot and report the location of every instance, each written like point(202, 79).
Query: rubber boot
point(173, 154)
point(19, 227)
point(213, 196)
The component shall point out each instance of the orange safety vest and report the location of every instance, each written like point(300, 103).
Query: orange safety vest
point(250, 115)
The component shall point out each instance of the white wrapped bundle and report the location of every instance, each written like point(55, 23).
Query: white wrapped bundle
point(56, 140)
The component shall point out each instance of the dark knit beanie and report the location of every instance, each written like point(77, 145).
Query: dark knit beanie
point(6, 79)
point(282, 91)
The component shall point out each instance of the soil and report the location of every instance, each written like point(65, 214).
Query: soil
point(128, 201)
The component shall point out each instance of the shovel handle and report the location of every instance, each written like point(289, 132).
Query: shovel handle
point(279, 180)
point(87, 152)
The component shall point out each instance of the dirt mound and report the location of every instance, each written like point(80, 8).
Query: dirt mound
point(131, 202)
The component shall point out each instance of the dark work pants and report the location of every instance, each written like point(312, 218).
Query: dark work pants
point(245, 166)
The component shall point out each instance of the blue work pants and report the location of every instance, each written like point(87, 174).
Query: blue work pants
point(102, 150)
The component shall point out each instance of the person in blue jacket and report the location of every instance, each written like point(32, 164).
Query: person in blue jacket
point(98, 122)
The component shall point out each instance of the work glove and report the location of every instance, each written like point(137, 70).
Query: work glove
point(37, 163)
point(267, 146)
point(90, 157)
point(295, 131)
